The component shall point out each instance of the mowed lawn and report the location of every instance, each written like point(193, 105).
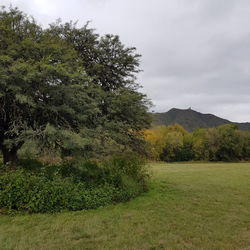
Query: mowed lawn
point(189, 206)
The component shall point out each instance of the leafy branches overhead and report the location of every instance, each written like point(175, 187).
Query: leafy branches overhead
point(68, 78)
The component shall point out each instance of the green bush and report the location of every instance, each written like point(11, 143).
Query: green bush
point(72, 185)
point(22, 191)
point(125, 169)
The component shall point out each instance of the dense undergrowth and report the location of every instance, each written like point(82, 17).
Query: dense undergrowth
point(71, 185)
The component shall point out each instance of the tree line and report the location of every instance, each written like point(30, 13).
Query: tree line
point(174, 143)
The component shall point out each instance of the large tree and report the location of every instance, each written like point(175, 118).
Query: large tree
point(65, 81)
point(113, 67)
point(42, 83)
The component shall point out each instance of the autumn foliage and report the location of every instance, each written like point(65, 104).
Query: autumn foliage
point(174, 143)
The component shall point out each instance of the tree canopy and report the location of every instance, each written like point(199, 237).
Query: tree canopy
point(67, 87)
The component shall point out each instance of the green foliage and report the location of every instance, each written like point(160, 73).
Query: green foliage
point(42, 84)
point(22, 191)
point(71, 185)
point(112, 67)
point(29, 150)
point(224, 143)
point(230, 143)
point(127, 170)
point(246, 145)
point(68, 89)
point(164, 138)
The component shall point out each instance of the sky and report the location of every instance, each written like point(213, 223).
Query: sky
point(195, 53)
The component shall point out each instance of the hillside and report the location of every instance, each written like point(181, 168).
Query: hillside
point(191, 119)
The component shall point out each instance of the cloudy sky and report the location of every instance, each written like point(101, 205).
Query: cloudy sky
point(195, 53)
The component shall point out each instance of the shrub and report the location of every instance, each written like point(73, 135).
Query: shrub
point(35, 187)
point(125, 169)
point(22, 191)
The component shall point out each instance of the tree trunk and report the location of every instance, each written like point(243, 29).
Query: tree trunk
point(10, 156)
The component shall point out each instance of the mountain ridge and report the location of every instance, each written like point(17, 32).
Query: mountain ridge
point(191, 119)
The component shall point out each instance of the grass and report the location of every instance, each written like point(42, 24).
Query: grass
point(189, 206)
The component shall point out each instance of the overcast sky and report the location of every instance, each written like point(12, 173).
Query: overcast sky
point(195, 53)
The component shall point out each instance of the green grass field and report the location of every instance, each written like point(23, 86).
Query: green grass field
point(189, 206)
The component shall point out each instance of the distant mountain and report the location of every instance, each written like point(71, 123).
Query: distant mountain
point(191, 119)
